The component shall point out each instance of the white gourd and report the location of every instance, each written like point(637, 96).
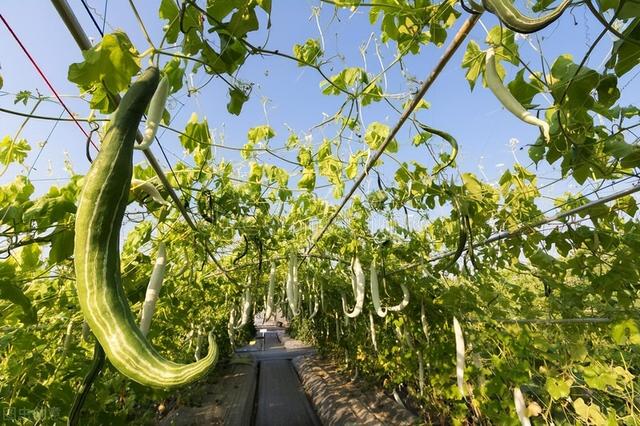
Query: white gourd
point(375, 294)
point(247, 305)
point(506, 98)
point(316, 307)
point(66, 345)
point(459, 355)
point(86, 332)
point(153, 289)
point(231, 329)
point(521, 407)
point(423, 320)
point(420, 373)
point(292, 285)
point(156, 108)
point(372, 326)
point(149, 189)
point(272, 285)
point(358, 284)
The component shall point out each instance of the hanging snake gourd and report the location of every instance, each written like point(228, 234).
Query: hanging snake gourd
point(153, 289)
point(292, 285)
point(375, 294)
point(97, 253)
point(358, 285)
point(506, 98)
point(459, 356)
point(156, 108)
point(516, 21)
point(272, 286)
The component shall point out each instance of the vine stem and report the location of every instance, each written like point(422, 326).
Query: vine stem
point(460, 36)
point(528, 227)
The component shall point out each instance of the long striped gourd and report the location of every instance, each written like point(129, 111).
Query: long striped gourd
point(506, 98)
point(97, 253)
point(513, 19)
point(153, 289)
point(358, 284)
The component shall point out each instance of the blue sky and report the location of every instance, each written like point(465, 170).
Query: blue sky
point(284, 94)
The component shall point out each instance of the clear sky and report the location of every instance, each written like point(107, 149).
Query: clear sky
point(285, 95)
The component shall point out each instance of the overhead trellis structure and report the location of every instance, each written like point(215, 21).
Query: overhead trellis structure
point(491, 298)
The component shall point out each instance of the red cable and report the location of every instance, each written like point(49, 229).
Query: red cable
point(26, 52)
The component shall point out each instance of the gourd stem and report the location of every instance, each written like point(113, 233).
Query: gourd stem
point(97, 364)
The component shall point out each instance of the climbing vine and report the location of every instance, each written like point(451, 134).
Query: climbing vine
point(367, 232)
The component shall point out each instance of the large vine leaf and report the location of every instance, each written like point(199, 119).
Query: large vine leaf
point(107, 69)
point(13, 150)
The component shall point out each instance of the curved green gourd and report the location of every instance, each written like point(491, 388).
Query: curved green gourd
point(513, 19)
point(97, 253)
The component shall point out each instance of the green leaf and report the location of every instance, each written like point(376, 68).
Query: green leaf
point(632, 159)
point(13, 151)
point(558, 388)
point(22, 96)
point(352, 168)
point(243, 21)
point(305, 158)
point(601, 377)
point(50, 208)
point(376, 134)
point(473, 60)
point(578, 95)
point(169, 10)
point(473, 187)
point(626, 204)
point(504, 41)
point(324, 150)
point(255, 172)
point(590, 414)
point(618, 148)
point(1, 82)
point(608, 92)
point(626, 332)
point(107, 69)
point(195, 134)
point(14, 294)
point(522, 90)
point(308, 179)
point(175, 74)
point(331, 168)
point(237, 98)
point(260, 134)
point(308, 53)
point(345, 80)
point(61, 245)
point(625, 54)
point(29, 256)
